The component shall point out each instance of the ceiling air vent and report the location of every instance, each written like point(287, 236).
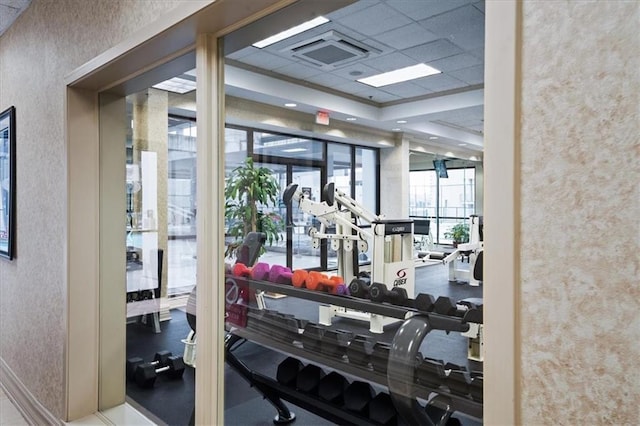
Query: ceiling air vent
point(330, 50)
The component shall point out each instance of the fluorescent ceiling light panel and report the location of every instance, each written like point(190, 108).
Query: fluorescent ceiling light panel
point(291, 32)
point(400, 75)
point(294, 150)
point(177, 85)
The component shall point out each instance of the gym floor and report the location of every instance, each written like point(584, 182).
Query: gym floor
point(171, 402)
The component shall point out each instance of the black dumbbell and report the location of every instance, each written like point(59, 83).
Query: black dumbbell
point(424, 302)
point(334, 342)
point(309, 378)
point(430, 373)
point(446, 306)
point(380, 357)
point(359, 287)
point(159, 360)
point(458, 380)
point(379, 292)
point(146, 374)
point(360, 349)
point(288, 371)
point(382, 411)
point(357, 397)
point(332, 387)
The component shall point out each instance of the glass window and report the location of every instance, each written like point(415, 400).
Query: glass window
point(277, 145)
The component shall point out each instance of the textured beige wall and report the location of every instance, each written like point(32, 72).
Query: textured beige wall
point(580, 208)
point(48, 41)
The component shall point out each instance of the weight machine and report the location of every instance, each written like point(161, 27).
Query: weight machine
point(392, 246)
point(474, 250)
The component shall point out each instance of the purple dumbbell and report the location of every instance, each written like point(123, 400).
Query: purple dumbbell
point(342, 290)
point(260, 271)
point(280, 275)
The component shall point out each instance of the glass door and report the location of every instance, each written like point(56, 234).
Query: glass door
point(304, 254)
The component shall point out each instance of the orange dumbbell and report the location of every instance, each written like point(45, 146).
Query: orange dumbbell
point(299, 278)
point(321, 282)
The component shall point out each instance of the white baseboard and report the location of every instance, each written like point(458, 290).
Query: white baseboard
point(30, 408)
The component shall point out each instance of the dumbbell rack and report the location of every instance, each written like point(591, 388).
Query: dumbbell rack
point(399, 379)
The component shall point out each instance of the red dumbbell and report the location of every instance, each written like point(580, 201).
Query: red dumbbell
point(258, 272)
point(280, 275)
point(322, 282)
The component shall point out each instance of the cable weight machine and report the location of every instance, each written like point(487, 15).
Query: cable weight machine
point(392, 262)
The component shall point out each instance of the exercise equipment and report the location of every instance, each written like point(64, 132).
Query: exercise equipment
point(288, 370)
point(280, 275)
point(309, 378)
point(424, 302)
point(382, 410)
point(380, 357)
point(145, 374)
point(159, 359)
point(357, 397)
point(380, 293)
point(311, 337)
point(473, 250)
point(334, 343)
point(360, 349)
point(317, 281)
point(258, 272)
point(322, 282)
point(391, 243)
point(331, 388)
point(430, 373)
point(359, 287)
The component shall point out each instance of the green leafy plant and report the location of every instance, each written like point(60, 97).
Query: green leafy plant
point(459, 233)
point(247, 189)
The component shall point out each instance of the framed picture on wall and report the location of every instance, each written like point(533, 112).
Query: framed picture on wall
point(7, 182)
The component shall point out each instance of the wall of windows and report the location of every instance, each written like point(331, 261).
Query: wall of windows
point(444, 200)
point(310, 164)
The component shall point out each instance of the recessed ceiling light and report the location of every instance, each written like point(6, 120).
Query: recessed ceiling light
point(473, 158)
point(396, 129)
point(401, 121)
point(290, 105)
point(433, 138)
point(291, 32)
point(294, 150)
point(351, 119)
point(400, 75)
point(462, 144)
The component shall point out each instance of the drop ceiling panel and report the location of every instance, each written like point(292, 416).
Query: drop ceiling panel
point(300, 71)
point(375, 20)
point(422, 9)
point(406, 90)
point(433, 51)
point(377, 95)
point(389, 62)
point(439, 83)
point(471, 75)
point(266, 60)
point(407, 36)
point(456, 62)
point(329, 80)
point(463, 26)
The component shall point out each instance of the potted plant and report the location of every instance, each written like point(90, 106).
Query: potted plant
point(247, 189)
point(459, 233)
